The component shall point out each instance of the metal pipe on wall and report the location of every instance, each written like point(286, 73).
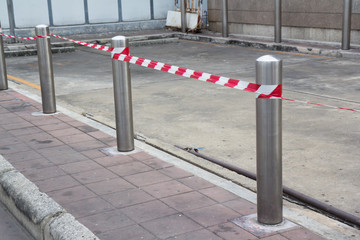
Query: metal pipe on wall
point(346, 25)
point(277, 23)
point(3, 74)
point(225, 27)
point(183, 15)
point(11, 15)
point(123, 99)
point(45, 69)
point(269, 144)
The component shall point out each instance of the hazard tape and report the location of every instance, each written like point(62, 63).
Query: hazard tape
point(122, 54)
point(23, 38)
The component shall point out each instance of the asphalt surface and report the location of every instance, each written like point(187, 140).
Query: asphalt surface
point(320, 145)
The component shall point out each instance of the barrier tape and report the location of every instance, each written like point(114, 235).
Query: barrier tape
point(122, 54)
point(23, 38)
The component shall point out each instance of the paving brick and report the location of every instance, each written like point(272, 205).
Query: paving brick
point(166, 189)
point(64, 132)
point(61, 159)
point(88, 145)
point(8, 140)
point(127, 198)
point(14, 126)
point(29, 164)
point(130, 168)
point(275, 237)
point(34, 174)
point(230, 231)
point(87, 207)
point(218, 194)
point(196, 183)
point(99, 134)
point(57, 150)
point(175, 172)
point(92, 154)
point(86, 128)
point(75, 138)
point(171, 225)
point(147, 211)
point(188, 201)
point(134, 232)
point(25, 131)
point(156, 163)
point(241, 206)
point(110, 186)
point(302, 234)
point(71, 194)
point(202, 234)
point(141, 156)
point(212, 215)
point(45, 120)
point(56, 183)
point(147, 178)
point(82, 166)
point(110, 161)
point(106, 221)
point(95, 175)
point(75, 123)
point(14, 148)
point(22, 156)
point(39, 143)
point(59, 126)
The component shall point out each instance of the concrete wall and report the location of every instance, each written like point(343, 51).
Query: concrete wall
point(306, 19)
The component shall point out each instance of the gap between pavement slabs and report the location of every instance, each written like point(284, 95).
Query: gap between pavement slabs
point(147, 195)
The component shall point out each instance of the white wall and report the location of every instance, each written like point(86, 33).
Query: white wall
point(67, 12)
point(103, 11)
point(135, 10)
point(4, 15)
point(30, 13)
point(161, 8)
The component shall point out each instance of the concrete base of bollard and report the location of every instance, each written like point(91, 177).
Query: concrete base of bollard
point(44, 218)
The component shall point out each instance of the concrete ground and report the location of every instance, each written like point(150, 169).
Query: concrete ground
point(320, 145)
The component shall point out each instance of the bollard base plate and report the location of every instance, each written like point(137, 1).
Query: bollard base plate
point(39, 114)
point(250, 224)
point(113, 151)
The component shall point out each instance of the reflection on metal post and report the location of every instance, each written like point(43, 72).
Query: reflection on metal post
point(45, 69)
point(3, 75)
point(277, 30)
point(225, 27)
point(346, 27)
point(269, 144)
point(183, 15)
point(123, 99)
point(10, 7)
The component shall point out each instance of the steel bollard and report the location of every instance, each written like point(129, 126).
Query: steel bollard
point(10, 7)
point(346, 25)
point(183, 15)
point(45, 69)
point(269, 144)
point(123, 99)
point(277, 23)
point(225, 27)
point(3, 74)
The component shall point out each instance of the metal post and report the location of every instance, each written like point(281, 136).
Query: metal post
point(45, 69)
point(225, 27)
point(123, 99)
point(3, 75)
point(10, 7)
point(183, 15)
point(277, 29)
point(346, 27)
point(269, 144)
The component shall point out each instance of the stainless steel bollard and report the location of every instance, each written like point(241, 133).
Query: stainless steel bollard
point(183, 15)
point(225, 27)
point(346, 25)
point(277, 24)
point(45, 69)
point(3, 74)
point(123, 99)
point(10, 7)
point(269, 144)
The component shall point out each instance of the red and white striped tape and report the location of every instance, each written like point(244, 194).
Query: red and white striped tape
point(24, 38)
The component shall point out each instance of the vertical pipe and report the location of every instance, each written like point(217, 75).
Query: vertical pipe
point(45, 69)
point(123, 99)
point(269, 144)
point(11, 15)
point(3, 75)
point(225, 27)
point(51, 18)
point(346, 26)
point(277, 24)
point(120, 11)
point(183, 15)
point(86, 11)
point(152, 13)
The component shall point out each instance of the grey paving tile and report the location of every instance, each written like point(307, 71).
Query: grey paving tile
point(188, 201)
point(241, 206)
point(134, 232)
point(87, 207)
point(71, 194)
point(166, 189)
point(202, 234)
point(196, 183)
point(175, 172)
point(303, 234)
point(147, 178)
point(95, 175)
point(128, 198)
point(110, 186)
point(130, 168)
point(229, 231)
point(218, 194)
point(81, 166)
point(56, 183)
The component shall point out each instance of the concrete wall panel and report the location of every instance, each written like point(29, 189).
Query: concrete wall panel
point(30, 13)
point(4, 18)
point(161, 8)
point(68, 12)
point(136, 10)
point(103, 11)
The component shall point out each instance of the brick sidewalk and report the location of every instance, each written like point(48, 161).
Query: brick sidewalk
point(123, 197)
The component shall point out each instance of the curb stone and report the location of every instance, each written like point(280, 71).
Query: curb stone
point(42, 217)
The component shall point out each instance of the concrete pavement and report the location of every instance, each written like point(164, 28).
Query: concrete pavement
point(143, 195)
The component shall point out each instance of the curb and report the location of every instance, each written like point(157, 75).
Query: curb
point(41, 216)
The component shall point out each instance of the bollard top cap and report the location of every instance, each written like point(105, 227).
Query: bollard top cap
point(268, 58)
point(119, 38)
